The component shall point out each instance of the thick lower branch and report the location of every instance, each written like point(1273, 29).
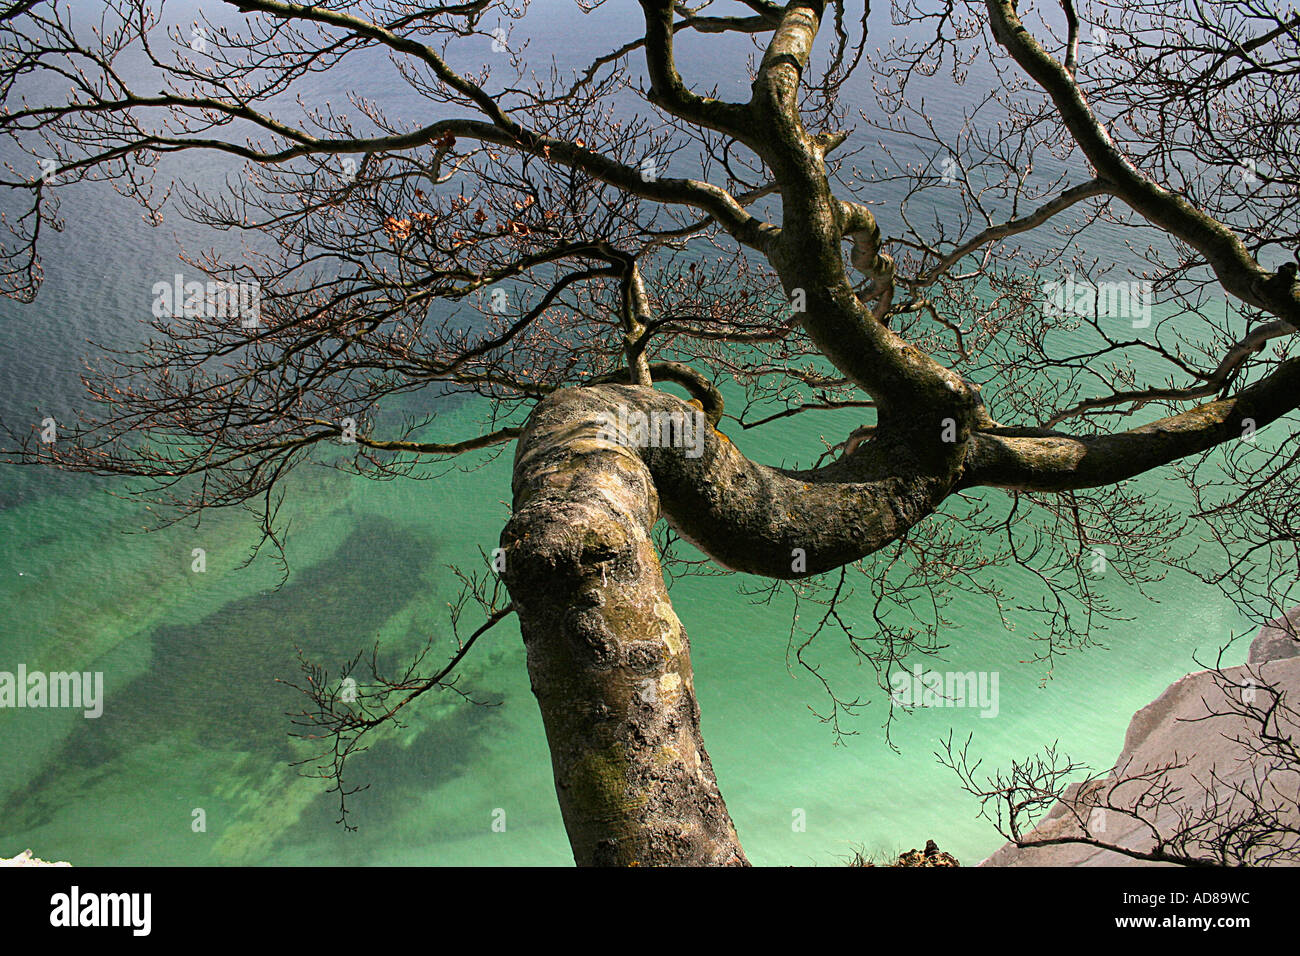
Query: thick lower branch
point(1038, 459)
point(774, 522)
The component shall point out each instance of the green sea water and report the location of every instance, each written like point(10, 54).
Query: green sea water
point(194, 720)
point(194, 724)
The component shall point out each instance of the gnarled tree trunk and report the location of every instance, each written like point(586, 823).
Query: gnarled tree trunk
point(608, 658)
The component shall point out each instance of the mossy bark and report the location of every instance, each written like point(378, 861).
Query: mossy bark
point(608, 658)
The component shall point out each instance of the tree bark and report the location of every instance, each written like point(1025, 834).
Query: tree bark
point(608, 659)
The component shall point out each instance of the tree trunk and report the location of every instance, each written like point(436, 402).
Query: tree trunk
point(608, 659)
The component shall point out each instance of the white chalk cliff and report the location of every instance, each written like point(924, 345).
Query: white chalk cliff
point(1175, 728)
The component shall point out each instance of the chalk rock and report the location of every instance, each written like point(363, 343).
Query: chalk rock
point(1175, 728)
point(26, 859)
point(1277, 640)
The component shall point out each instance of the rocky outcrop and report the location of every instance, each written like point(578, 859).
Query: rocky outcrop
point(930, 856)
point(1176, 728)
point(1277, 640)
point(26, 859)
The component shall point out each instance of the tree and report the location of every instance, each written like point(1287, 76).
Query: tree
point(574, 211)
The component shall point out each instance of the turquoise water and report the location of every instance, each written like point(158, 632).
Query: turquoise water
point(195, 721)
point(193, 718)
